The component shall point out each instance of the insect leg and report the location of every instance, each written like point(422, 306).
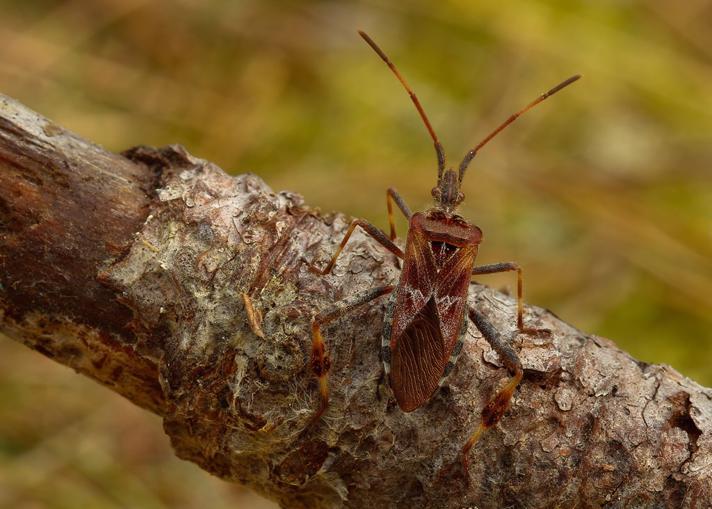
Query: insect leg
point(370, 230)
point(393, 196)
point(494, 410)
point(511, 267)
point(320, 362)
point(494, 268)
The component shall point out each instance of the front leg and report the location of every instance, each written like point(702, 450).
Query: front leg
point(494, 268)
point(370, 230)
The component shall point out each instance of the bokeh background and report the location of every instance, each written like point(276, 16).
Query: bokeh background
point(602, 193)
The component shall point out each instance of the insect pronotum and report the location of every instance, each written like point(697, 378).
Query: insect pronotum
point(424, 325)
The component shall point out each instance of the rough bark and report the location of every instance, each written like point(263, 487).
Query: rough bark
point(130, 268)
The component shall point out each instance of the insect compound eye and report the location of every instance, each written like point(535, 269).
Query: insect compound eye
point(436, 193)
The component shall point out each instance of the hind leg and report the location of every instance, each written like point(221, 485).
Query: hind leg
point(320, 362)
point(497, 406)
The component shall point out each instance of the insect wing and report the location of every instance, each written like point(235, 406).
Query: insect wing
point(418, 360)
point(417, 282)
point(451, 289)
point(417, 348)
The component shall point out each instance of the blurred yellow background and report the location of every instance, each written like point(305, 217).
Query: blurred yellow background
point(603, 193)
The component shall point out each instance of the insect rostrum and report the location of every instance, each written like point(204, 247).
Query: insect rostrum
point(425, 319)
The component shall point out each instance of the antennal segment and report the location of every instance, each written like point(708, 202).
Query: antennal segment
point(438, 147)
point(472, 153)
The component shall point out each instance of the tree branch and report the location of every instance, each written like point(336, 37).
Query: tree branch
point(130, 269)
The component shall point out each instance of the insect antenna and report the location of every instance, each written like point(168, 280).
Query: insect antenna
point(472, 153)
point(438, 146)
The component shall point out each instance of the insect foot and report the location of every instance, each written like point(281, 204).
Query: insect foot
point(538, 333)
point(254, 316)
point(533, 337)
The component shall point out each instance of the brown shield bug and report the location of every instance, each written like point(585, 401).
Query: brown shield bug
point(425, 320)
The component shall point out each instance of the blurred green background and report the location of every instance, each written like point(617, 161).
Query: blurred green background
point(602, 193)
